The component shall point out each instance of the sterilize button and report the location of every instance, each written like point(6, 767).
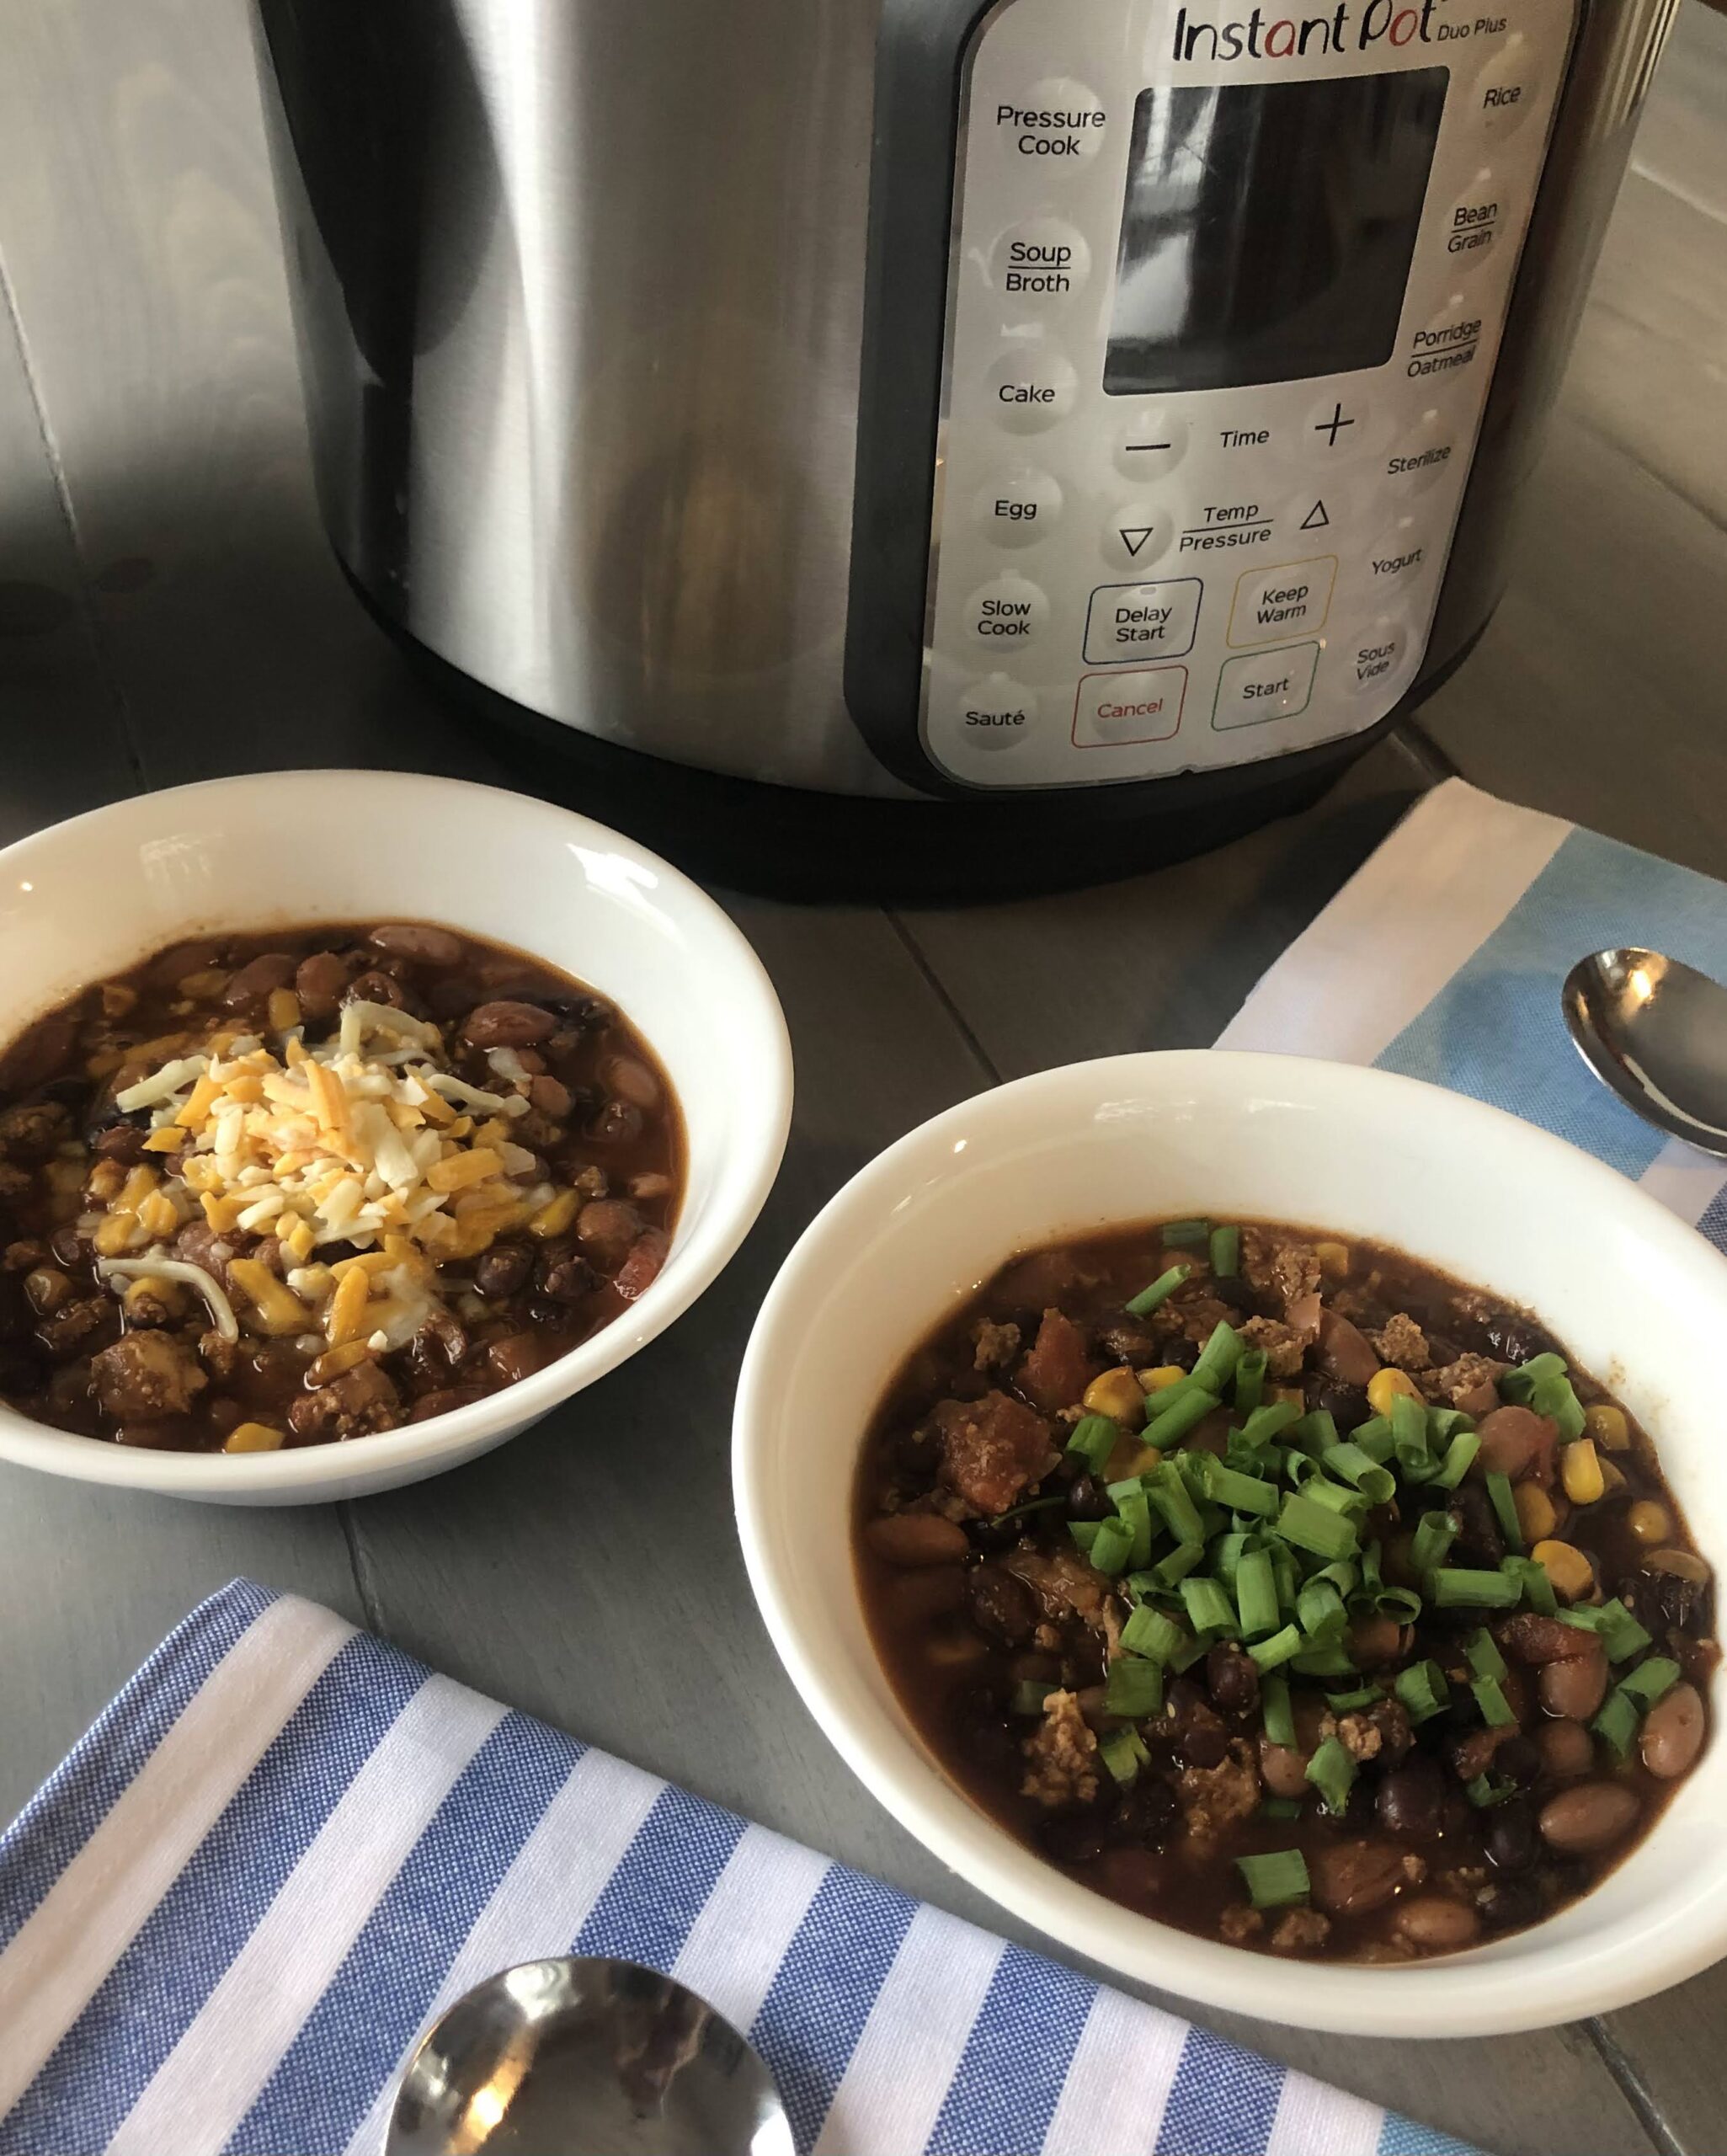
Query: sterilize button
point(1006, 614)
point(1269, 685)
point(1113, 709)
point(1017, 508)
point(1032, 389)
point(996, 712)
point(1150, 440)
point(1043, 259)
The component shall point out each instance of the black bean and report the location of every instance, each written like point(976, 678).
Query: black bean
point(1348, 1404)
point(1146, 1812)
point(985, 1734)
point(1506, 1904)
point(1519, 1760)
point(1075, 1837)
point(503, 1270)
point(1088, 1499)
point(1002, 1606)
point(1510, 1838)
point(1233, 1677)
point(1479, 1542)
point(1411, 1800)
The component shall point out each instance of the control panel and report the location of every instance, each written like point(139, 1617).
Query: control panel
point(1227, 286)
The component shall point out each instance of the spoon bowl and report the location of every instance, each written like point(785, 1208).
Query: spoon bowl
point(1655, 1030)
point(583, 2057)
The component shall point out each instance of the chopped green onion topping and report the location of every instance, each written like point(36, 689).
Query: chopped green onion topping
point(1316, 1432)
point(1332, 1772)
point(1183, 1407)
point(1459, 1458)
point(1095, 1438)
point(1133, 1509)
point(1311, 1526)
point(1255, 1595)
point(1112, 1546)
point(1184, 1234)
point(1208, 1608)
point(1616, 1724)
point(1028, 1698)
point(1620, 1634)
point(1376, 1484)
point(1323, 1662)
point(1423, 1690)
point(1160, 1290)
point(1319, 1612)
point(1496, 1708)
point(1249, 1379)
point(1485, 1656)
point(1134, 1687)
point(1488, 1790)
point(1402, 1603)
point(1241, 1493)
point(1435, 1534)
point(1275, 1879)
point(1226, 1252)
point(1343, 1703)
point(1505, 1510)
point(1275, 1710)
point(1148, 1631)
point(1270, 1654)
point(1281, 1808)
point(1171, 1571)
point(1456, 1589)
point(1218, 1357)
point(1650, 1680)
point(1168, 1491)
point(1537, 1588)
point(1124, 1754)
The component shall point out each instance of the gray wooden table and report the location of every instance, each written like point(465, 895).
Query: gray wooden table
point(168, 612)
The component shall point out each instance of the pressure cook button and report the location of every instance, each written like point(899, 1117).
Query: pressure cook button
point(1142, 620)
point(1058, 123)
point(1006, 614)
point(1043, 259)
point(1150, 441)
point(1139, 533)
point(1112, 709)
point(1475, 222)
point(1031, 390)
point(1505, 90)
point(996, 712)
point(1019, 508)
point(1270, 685)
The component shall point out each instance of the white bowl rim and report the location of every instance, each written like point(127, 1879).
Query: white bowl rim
point(1453, 1995)
point(459, 1433)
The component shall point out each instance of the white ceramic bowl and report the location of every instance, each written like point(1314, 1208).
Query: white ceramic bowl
point(91, 896)
point(1641, 1299)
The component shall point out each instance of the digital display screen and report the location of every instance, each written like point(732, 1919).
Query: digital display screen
point(1268, 229)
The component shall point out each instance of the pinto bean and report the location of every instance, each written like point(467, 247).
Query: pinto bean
point(606, 1228)
point(1284, 1772)
point(376, 987)
point(1346, 1353)
point(913, 1539)
point(256, 979)
point(1672, 1733)
point(1518, 1443)
point(319, 982)
point(1574, 1689)
point(1435, 1924)
point(417, 941)
point(1578, 1821)
point(1540, 1640)
point(1350, 1879)
point(1567, 1749)
point(631, 1080)
point(549, 1095)
point(507, 1025)
point(1003, 1606)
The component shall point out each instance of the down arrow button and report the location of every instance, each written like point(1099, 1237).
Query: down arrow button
point(1140, 536)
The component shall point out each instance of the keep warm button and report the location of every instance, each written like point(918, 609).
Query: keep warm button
point(1283, 602)
point(1269, 685)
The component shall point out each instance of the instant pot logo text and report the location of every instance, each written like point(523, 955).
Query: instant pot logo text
point(1350, 26)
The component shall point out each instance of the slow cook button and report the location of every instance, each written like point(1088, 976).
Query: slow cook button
point(1142, 620)
point(1017, 508)
point(996, 712)
point(1006, 614)
point(1031, 390)
point(1043, 259)
point(1283, 601)
point(1270, 685)
point(1113, 709)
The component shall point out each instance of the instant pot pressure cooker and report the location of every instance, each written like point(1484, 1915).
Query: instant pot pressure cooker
point(1025, 421)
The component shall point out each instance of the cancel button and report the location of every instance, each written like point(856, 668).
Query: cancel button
point(1270, 685)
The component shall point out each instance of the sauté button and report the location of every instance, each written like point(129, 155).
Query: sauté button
point(996, 712)
point(1006, 614)
point(1019, 508)
point(1112, 709)
point(1043, 259)
point(1031, 390)
point(1269, 685)
point(1143, 621)
point(1282, 601)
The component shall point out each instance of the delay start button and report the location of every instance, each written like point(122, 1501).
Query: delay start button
point(995, 713)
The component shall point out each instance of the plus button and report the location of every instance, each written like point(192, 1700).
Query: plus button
point(1330, 427)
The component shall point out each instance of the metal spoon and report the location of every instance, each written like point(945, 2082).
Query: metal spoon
point(579, 2056)
point(1655, 1032)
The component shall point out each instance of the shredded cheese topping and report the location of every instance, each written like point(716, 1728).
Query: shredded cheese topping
point(363, 1140)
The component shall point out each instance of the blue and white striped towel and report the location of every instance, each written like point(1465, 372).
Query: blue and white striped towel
point(285, 1846)
point(1444, 956)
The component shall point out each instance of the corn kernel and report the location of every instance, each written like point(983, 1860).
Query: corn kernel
point(1649, 1522)
point(157, 1217)
point(168, 1140)
point(284, 1010)
point(107, 1180)
point(117, 998)
point(1572, 1574)
point(1535, 1513)
point(1145, 1461)
point(1608, 1425)
point(1615, 1481)
point(1117, 1394)
point(1580, 1470)
point(204, 982)
point(252, 1437)
point(1334, 1259)
point(1389, 1385)
point(66, 1178)
point(1681, 1564)
point(1161, 1379)
point(1290, 1395)
point(279, 1311)
point(556, 1215)
point(113, 1238)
